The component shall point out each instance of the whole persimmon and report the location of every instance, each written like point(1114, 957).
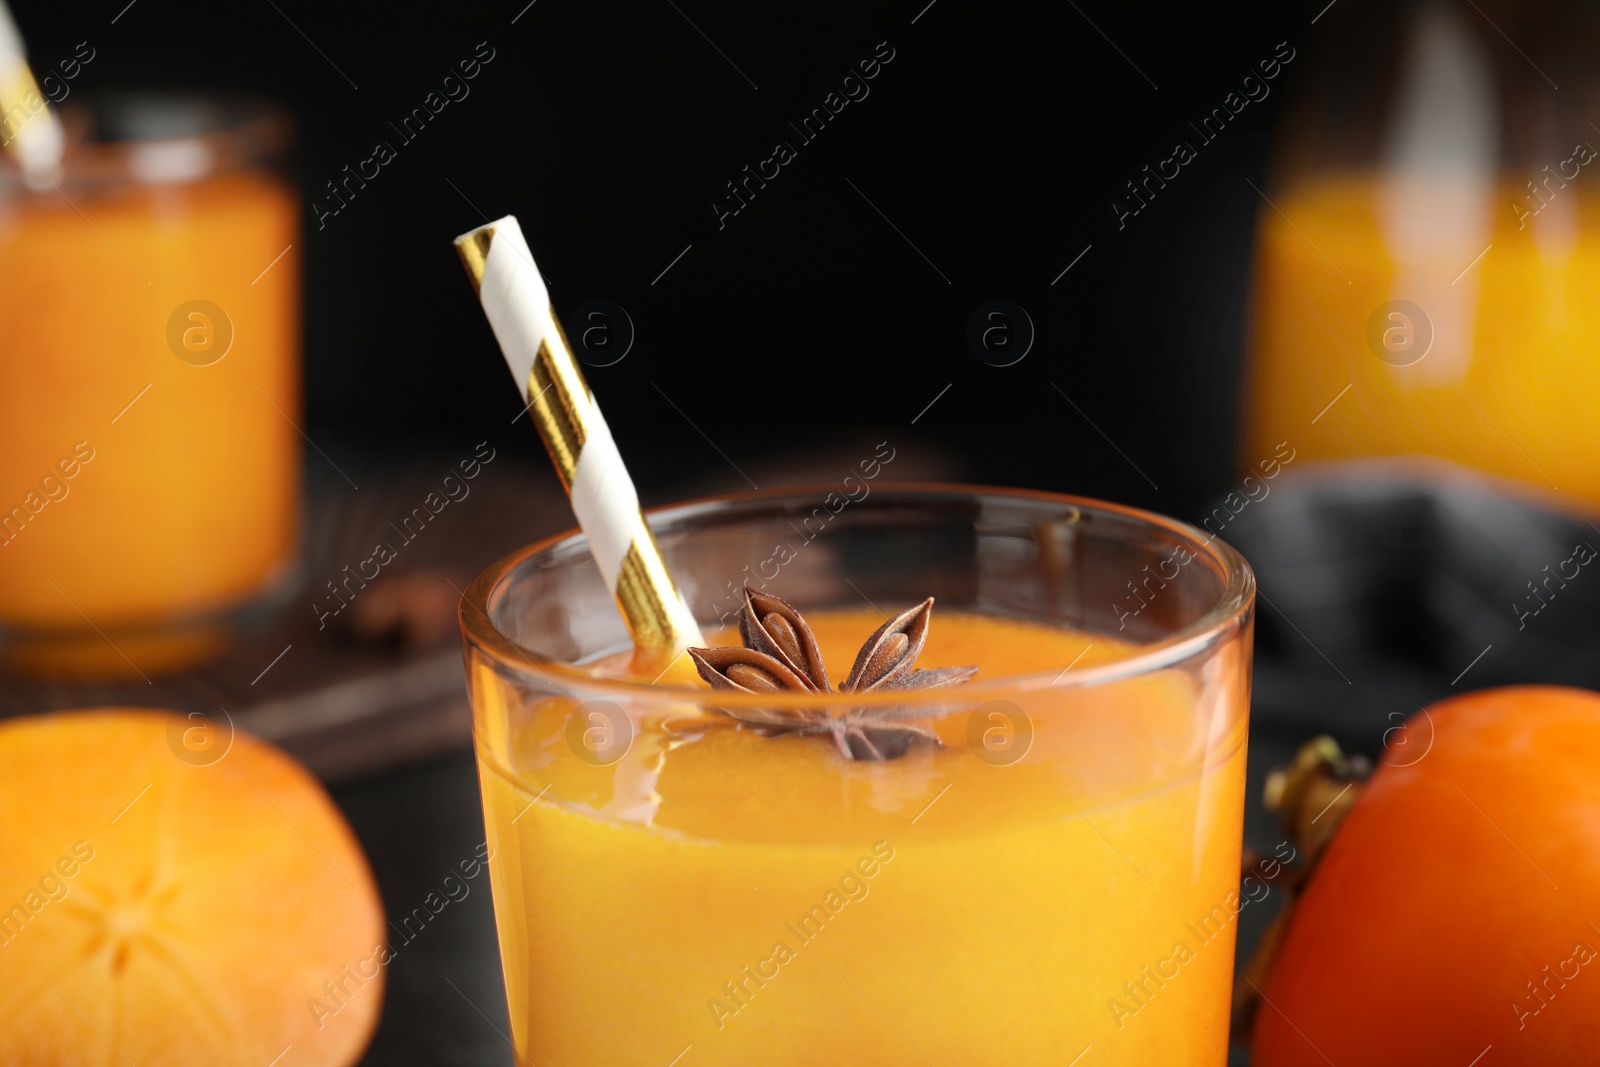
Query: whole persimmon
point(1454, 918)
point(164, 902)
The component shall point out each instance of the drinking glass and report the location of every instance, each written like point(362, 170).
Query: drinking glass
point(1059, 873)
point(1429, 245)
point(149, 384)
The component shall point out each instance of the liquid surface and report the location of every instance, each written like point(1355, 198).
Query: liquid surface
point(963, 903)
point(999, 646)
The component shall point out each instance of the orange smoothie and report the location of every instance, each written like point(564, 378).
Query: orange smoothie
point(728, 898)
point(139, 480)
point(1509, 381)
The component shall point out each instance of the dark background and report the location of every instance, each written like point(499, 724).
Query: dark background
point(993, 142)
point(833, 309)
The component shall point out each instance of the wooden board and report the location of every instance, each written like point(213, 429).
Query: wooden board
point(344, 692)
point(350, 695)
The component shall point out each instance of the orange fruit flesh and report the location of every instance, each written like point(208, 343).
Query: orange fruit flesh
point(1049, 882)
point(162, 912)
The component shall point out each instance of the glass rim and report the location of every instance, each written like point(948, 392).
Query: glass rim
point(238, 130)
point(1235, 602)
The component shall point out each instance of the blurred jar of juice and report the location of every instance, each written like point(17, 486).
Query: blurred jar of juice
point(149, 385)
point(1428, 262)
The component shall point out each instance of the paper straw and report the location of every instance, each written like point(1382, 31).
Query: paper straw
point(31, 130)
point(576, 435)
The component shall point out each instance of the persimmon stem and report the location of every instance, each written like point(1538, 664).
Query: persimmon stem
point(1312, 795)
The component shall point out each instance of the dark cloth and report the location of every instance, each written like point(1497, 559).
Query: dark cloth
point(1386, 585)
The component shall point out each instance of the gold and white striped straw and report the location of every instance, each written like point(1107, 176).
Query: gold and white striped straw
point(576, 435)
point(28, 125)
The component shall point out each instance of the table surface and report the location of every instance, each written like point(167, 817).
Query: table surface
point(445, 1003)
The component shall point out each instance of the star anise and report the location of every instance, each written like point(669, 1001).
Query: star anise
point(780, 654)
